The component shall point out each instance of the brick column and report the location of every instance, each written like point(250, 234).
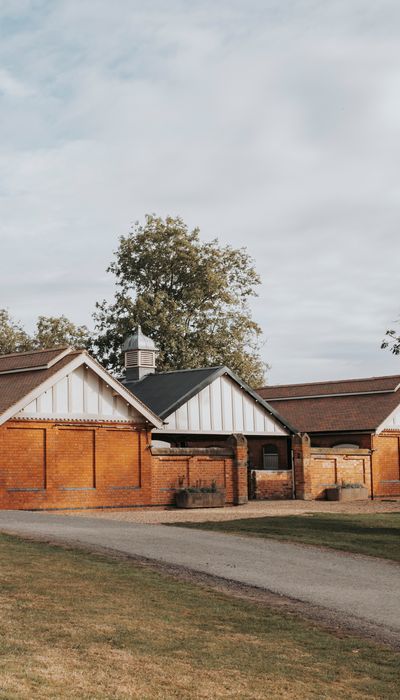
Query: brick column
point(302, 466)
point(238, 443)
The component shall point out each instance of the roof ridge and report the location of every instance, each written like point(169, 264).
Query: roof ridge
point(188, 369)
point(329, 381)
point(33, 352)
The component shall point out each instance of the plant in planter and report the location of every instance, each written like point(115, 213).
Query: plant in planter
point(200, 496)
point(347, 491)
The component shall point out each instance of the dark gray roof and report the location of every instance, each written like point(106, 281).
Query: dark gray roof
point(165, 392)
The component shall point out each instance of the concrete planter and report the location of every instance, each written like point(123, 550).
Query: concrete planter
point(337, 493)
point(190, 499)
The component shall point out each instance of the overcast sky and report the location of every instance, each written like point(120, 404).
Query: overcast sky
point(269, 124)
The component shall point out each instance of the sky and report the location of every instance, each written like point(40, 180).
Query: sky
point(273, 125)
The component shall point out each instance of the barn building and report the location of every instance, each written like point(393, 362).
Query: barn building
point(203, 407)
point(351, 431)
point(72, 436)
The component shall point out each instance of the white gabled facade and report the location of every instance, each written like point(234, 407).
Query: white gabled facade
point(223, 407)
point(80, 395)
point(82, 390)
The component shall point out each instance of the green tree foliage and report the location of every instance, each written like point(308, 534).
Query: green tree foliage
point(50, 332)
point(392, 341)
point(13, 338)
point(54, 331)
point(190, 297)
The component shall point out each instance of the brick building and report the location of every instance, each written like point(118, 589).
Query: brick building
point(72, 436)
point(349, 430)
point(203, 407)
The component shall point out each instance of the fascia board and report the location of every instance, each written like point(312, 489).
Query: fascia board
point(130, 398)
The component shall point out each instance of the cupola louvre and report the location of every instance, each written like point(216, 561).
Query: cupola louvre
point(140, 356)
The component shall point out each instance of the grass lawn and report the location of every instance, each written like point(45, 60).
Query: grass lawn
point(76, 625)
point(377, 534)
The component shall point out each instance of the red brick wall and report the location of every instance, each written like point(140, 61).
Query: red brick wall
point(271, 485)
point(386, 463)
point(86, 465)
point(55, 465)
point(173, 471)
point(329, 467)
point(317, 468)
point(255, 448)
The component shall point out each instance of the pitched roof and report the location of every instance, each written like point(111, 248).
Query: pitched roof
point(33, 359)
point(165, 392)
point(345, 386)
point(347, 405)
point(23, 374)
point(14, 386)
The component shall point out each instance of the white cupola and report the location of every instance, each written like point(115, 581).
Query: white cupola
point(139, 356)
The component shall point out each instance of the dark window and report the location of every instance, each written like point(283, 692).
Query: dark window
point(270, 457)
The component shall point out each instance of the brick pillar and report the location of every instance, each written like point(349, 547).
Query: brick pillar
point(238, 443)
point(302, 466)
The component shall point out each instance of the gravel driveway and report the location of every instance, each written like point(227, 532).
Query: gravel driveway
point(253, 509)
point(353, 586)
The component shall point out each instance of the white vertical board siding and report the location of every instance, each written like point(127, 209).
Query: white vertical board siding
point(93, 393)
point(82, 394)
point(223, 407)
point(227, 406)
point(194, 412)
point(216, 408)
point(392, 422)
point(76, 382)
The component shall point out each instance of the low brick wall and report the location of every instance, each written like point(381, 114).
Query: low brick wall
point(332, 466)
point(271, 485)
point(177, 467)
point(318, 468)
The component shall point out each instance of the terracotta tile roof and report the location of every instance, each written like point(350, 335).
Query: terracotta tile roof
point(15, 385)
point(359, 404)
point(347, 386)
point(31, 359)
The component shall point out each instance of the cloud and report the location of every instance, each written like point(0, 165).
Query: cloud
point(273, 125)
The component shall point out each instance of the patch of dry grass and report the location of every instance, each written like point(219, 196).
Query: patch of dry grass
point(75, 625)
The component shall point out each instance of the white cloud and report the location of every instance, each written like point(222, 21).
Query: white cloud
point(271, 125)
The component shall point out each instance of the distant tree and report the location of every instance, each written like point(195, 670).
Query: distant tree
point(54, 331)
point(13, 338)
point(392, 341)
point(50, 332)
point(190, 297)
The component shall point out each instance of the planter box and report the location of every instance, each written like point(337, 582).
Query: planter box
point(336, 493)
point(187, 499)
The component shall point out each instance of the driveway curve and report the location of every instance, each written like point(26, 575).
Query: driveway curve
point(352, 585)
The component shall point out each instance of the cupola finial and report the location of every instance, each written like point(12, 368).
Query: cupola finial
point(139, 356)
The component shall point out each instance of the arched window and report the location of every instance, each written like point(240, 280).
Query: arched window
point(346, 446)
point(270, 457)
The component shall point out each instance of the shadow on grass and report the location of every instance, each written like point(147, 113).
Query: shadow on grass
point(373, 534)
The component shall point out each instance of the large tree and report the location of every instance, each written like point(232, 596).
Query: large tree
point(191, 297)
point(53, 331)
point(50, 332)
point(13, 337)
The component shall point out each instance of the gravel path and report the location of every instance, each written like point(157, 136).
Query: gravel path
point(253, 509)
point(353, 587)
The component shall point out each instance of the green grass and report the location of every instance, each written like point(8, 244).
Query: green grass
point(75, 625)
point(375, 534)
